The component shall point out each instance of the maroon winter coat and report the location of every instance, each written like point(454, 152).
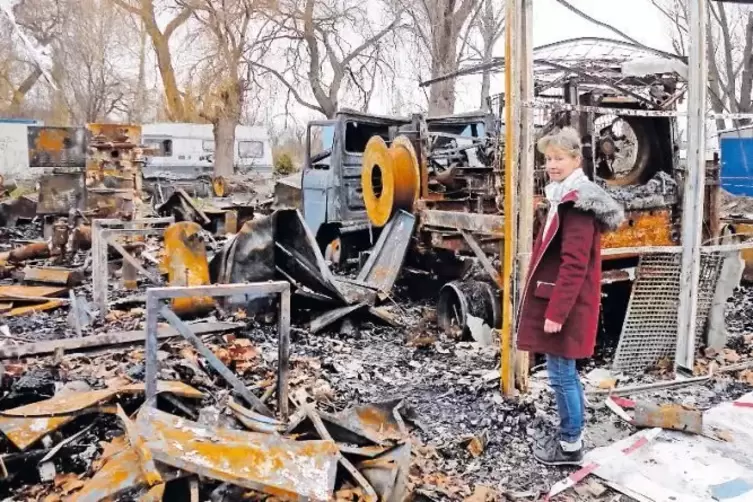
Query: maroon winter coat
point(564, 278)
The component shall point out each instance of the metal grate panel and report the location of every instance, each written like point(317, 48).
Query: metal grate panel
point(649, 332)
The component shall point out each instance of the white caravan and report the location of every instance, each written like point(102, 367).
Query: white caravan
point(186, 150)
point(14, 148)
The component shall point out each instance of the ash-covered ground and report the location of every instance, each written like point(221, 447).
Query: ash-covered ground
point(466, 434)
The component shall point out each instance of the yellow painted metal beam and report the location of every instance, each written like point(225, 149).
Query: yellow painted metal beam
point(507, 350)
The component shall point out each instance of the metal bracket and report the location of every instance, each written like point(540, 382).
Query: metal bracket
point(154, 309)
point(103, 231)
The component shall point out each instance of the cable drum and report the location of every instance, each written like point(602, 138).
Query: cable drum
point(389, 178)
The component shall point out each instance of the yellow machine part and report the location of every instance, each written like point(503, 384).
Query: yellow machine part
point(219, 186)
point(641, 228)
point(390, 178)
point(187, 265)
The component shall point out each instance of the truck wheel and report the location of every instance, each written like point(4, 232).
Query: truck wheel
point(458, 300)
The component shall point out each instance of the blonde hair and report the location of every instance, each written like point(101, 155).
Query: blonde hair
point(566, 139)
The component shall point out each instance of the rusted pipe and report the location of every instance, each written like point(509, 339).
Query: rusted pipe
point(29, 251)
point(82, 238)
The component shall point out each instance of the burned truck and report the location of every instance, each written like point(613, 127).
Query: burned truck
point(334, 200)
point(365, 173)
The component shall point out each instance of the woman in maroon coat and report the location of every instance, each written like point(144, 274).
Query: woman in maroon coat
point(560, 305)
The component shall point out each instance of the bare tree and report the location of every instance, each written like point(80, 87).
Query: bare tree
point(443, 28)
point(91, 50)
point(490, 25)
point(41, 20)
point(327, 46)
point(147, 12)
point(729, 51)
point(225, 68)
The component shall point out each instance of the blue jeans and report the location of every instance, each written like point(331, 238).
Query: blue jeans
point(568, 391)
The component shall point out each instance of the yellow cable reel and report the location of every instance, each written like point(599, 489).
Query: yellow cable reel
point(390, 178)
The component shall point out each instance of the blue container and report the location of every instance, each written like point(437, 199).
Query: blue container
point(737, 164)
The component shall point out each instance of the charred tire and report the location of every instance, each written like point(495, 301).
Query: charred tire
point(648, 156)
point(460, 299)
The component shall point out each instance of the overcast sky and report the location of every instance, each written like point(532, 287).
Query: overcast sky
point(552, 22)
point(637, 18)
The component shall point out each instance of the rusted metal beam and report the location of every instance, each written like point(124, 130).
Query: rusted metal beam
point(214, 361)
point(669, 416)
point(482, 257)
point(53, 275)
point(30, 309)
point(491, 224)
point(72, 345)
point(269, 464)
point(153, 309)
point(29, 251)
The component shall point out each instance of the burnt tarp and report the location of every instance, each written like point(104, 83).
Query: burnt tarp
point(279, 245)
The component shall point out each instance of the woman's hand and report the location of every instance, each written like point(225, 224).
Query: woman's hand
point(552, 327)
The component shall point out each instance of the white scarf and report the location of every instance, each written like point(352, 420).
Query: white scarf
point(558, 189)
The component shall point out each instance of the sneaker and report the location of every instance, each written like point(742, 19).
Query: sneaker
point(551, 453)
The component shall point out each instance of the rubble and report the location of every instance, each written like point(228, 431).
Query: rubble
point(391, 394)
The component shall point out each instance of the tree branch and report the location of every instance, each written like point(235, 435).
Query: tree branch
point(611, 28)
point(290, 87)
point(661, 9)
point(177, 21)
point(130, 8)
point(371, 41)
point(468, 28)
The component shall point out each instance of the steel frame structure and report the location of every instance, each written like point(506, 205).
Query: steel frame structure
point(103, 232)
point(518, 143)
point(155, 309)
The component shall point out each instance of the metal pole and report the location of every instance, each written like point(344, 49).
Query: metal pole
point(693, 193)
point(525, 209)
point(150, 349)
point(512, 131)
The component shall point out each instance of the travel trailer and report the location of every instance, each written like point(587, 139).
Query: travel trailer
point(186, 151)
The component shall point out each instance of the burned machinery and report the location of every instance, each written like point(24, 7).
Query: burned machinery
point(633, 154)
point(103, 183)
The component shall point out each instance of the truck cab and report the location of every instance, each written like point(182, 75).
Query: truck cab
point(331, 195)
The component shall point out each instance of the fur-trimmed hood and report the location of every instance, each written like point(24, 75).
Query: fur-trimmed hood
point(588, 196)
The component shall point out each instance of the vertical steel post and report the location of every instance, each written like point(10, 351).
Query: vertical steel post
point(511, 146)
point(693, 193)
point(525, 178)
point(283, 362)
point(150, 349)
